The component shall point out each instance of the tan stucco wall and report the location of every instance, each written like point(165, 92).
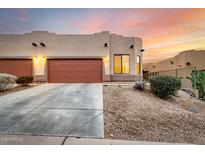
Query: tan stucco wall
point(121, 45)
point(72, 46)
point(195, 57)
point(180, 67)
point(56, 45)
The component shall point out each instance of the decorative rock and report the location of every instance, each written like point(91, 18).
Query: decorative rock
point(190, 109)
point(147, 86)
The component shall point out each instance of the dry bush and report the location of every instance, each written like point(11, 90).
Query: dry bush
point(6, 81)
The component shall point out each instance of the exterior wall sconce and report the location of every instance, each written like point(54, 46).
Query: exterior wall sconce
point(34, 44)
point(106, 59)
point(39, 59)
point(142, 50)
point(105, 45)
point(171, 62)
point(42, 44)
point(131, 46)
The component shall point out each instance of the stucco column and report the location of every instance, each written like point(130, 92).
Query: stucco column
point(141, 64)
point(138, 47)
point(133, 63)
point(106, 68)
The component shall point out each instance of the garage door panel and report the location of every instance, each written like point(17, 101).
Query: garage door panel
point(76, 74)
point(75, 71)
point(20, 67)
point(75, 62)
point(76, 78)
point(74, 68)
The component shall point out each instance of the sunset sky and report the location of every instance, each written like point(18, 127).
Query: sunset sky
point(165, 32)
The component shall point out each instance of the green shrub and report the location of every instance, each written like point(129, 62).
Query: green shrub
point(139, 85)
point(24, 80)
point(164, 86)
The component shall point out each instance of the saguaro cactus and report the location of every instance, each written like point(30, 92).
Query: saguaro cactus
point(198, 82)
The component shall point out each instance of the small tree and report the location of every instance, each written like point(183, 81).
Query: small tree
point(24, 80)
point(198, 81)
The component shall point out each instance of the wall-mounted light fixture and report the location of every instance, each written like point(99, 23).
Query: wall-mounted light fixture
point(106, 59)
point(34, 44)
point(131, 46)
point(39, 59)
point(105, 45)
point(142, 50)
point(42, 44)
point(171, 62)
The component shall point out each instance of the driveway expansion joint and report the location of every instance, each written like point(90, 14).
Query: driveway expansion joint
point(85, 123)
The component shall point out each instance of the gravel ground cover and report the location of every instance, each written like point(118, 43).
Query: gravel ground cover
point(135, 115)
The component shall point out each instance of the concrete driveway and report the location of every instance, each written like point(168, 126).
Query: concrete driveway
point(54, 110)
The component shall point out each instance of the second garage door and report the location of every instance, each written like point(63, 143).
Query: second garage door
point(74, 71)
point(17, 67)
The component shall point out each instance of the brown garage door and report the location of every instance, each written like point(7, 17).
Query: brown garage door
point(75, 71)
point(17, 67)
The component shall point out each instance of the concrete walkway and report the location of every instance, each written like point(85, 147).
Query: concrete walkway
point(119, 83)
point(54, 110)
point(46, 140)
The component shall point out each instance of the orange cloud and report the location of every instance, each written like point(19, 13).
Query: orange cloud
point(165, 32)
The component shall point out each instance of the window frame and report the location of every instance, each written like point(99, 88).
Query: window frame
point(138, 56)
point(121, 55)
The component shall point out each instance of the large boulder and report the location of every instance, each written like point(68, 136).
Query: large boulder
point(7, 81)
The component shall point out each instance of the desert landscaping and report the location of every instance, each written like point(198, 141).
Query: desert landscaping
point(10, 83)
point(136, 113)
point(130, 114)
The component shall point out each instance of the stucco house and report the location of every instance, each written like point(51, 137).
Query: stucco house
point(63, 58)
point(180, 66)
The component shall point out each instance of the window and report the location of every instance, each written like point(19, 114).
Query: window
point(126, 64)
point(121, 64)
point(118, 64)
point(138, 65)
